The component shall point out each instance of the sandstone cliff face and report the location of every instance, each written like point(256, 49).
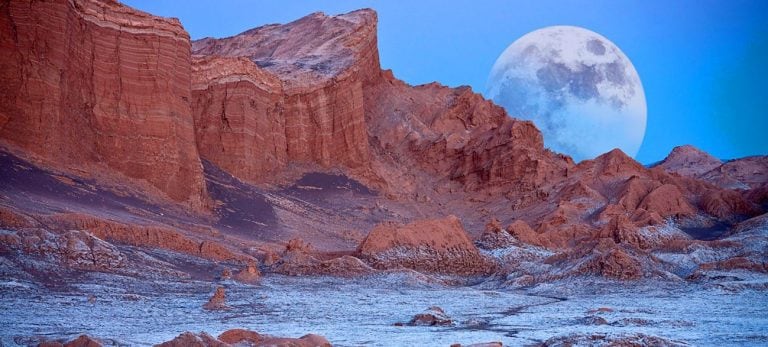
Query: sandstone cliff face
point(238, 112)
point(286, 93)
point(90, 86)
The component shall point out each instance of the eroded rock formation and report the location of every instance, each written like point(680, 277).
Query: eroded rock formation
point(282, 93)
point(99, 89)
point(218, 301)
point(117, 107)
point(438, 246)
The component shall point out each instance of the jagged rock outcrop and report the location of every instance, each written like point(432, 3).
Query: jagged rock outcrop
point(315, 83)
point(152, 236)
point(283, 93)
point(453, 135)
point(102, 90)
point(75, 249)
point(298, 259)
point(435, 245)
point(603, 258)
point(613, 196)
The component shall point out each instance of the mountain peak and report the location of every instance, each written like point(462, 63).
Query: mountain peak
point(689, 161)
point(309, 51)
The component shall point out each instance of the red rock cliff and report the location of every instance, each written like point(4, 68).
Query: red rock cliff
point(99, 88)
point(312, 91)
point(454, 134)
point(294, 94)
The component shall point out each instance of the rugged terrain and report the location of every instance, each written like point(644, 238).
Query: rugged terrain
point(131, 152)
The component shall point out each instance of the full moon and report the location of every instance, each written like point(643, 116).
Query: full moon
point(578, 87)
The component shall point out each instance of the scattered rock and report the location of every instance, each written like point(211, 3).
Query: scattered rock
point(609, 340)
point(600, 310)
point(270, 258)
point(482, 344)
point(432, 316)
point(217, 301)
point(132, 297)
point(226, 274)
point(476, 323)
point(250, 274)
point(593, 320)
point(603, 258)
point(298, 245)
point(523, 232)
point(616, 264)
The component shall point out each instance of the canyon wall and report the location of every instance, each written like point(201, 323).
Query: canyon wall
point(301, 85)
point(100, 89)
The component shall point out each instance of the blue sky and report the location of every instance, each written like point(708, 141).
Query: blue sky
point(703, 64)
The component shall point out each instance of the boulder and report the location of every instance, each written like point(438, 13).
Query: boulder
point(250, 274)
point(217, 301)
point(432, 316)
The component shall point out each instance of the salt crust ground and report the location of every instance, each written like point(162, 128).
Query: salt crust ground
point(363, 311)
